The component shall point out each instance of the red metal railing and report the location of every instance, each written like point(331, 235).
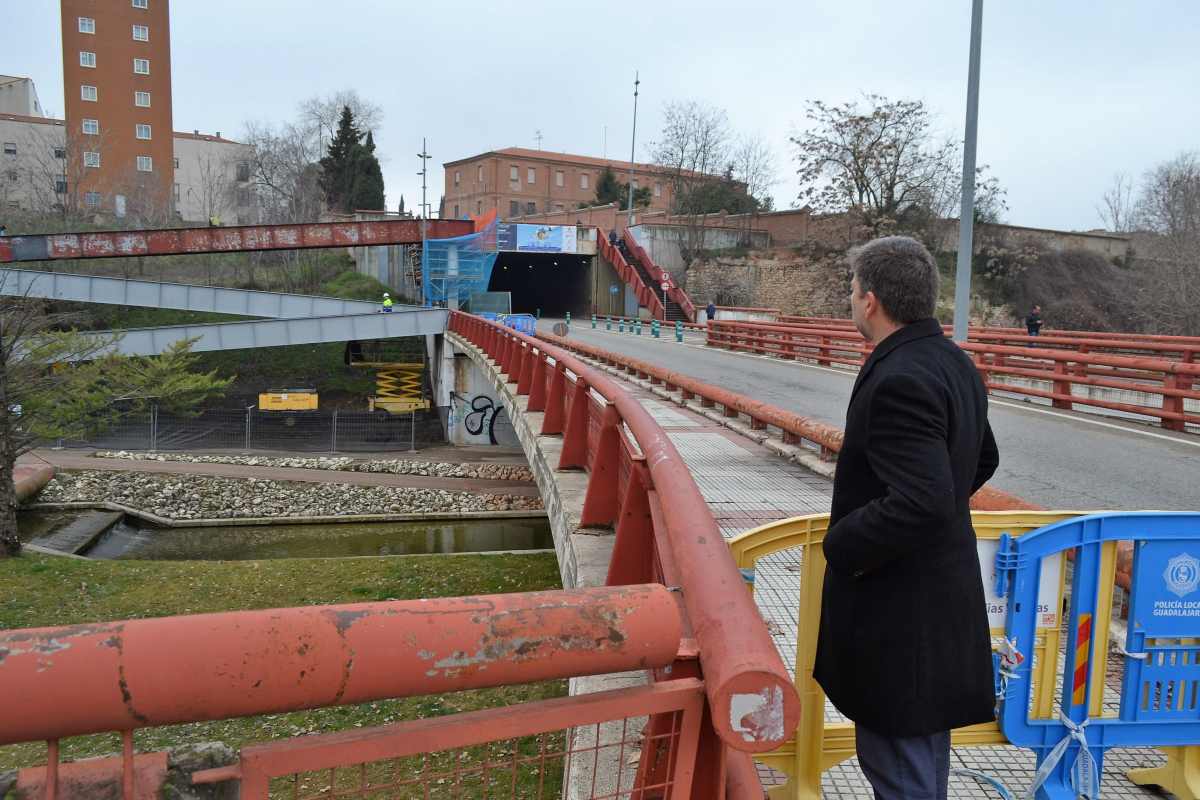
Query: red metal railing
point(676, 292)
point(719, 693)
point(1066, 363)
point(792, 429)
point(625, 271)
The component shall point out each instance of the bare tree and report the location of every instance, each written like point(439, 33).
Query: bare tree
point(1169, 203)
point(283, 170)
point(877, 157)
point(57, 169)
point(754, 165)
point(1116, 206)
point(320, 115)
point(1168, 209)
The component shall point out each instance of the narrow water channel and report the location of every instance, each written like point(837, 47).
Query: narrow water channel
point(133, 539)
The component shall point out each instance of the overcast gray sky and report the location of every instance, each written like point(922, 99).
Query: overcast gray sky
point(1071, 92)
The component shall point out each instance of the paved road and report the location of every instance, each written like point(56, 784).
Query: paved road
point(1056, 459)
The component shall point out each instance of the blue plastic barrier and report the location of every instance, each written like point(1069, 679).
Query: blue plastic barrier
point(1160, 697)
point(521, 323)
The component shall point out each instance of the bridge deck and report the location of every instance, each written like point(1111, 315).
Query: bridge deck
point(747, 485)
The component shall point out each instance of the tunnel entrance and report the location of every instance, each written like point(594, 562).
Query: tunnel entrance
point(553, 283)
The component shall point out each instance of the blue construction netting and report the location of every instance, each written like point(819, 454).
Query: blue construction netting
point(454, 269)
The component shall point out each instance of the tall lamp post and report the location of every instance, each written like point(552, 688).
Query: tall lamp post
point(633, 147)
point(424, 156)
point(966, 217)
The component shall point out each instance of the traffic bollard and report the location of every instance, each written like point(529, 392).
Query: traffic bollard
point(568, 317)
point(593, 321)
point(654, 329)
point(639, 327)
point(621, 325)
point(608, 324)
point(678, 331)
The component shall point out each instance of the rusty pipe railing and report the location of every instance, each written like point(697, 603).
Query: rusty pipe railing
point(645, 294)
point(751, 696)
point(81, 679)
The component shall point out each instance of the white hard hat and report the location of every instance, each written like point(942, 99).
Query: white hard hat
point(385, 294)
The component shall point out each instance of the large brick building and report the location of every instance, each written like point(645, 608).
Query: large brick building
point(519, 182)
point(117, 86)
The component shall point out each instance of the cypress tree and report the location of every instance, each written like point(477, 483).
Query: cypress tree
point(338, 165)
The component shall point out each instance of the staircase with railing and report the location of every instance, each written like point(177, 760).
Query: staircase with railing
point(679, 307)
point(636, 278)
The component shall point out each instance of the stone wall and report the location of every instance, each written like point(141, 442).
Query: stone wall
point(806, 280)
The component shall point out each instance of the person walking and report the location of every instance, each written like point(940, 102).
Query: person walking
point(1033, 322)
point(710, 310)
point(387, 303)
point(903, 647)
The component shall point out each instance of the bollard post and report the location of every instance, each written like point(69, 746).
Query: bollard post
point(678, 331)
point(568, 318)
point(539, 313)
point(608, 324)
point(654, 329)
point(639, 327)
point(593, 322)
point(621, 325)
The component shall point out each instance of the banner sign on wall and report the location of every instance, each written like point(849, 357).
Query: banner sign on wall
point(536, 238)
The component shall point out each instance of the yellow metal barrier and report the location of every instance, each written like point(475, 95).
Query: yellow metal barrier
point(818, 745)
point(288, 400)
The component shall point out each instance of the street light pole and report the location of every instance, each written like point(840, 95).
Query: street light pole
point(966, 217)
point(633, 147)
point(424, 156)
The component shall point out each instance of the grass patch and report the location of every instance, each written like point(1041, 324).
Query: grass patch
point(40, 591)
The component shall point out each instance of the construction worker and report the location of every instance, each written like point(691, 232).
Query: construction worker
point(387, 303)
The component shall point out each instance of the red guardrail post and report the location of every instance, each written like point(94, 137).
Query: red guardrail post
point(525, 373)
point(575, 437)
point(1062, 386)
point(1174, 403)
point(537, 384)
point(633, 549)
point(600, 502)
point(556, 402)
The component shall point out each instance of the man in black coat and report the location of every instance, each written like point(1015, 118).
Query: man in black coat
point(904, 648)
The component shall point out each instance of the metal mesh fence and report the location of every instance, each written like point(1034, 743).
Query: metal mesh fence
point(254, 429)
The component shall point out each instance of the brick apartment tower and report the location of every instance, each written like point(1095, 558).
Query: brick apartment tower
point(117, 82)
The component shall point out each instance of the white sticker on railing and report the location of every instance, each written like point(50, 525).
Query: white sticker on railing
point(758, 717)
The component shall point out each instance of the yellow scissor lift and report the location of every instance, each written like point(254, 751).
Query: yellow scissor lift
point(399, 384)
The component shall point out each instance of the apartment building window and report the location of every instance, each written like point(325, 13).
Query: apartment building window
point(87, 59)
point(141, 66)
point(457, 177)
point(88, 93)
point(141, 131)
point(584, 181)
point(530, 175)
point(10, 148)
point(658, 190)
point(91, 159)
point(243, 171)
point(531, 208)
point(141, 3)
point(478, 207)
point(513, 175)
point(92, 199)
point(243, 198)
point(12, 176)
point(479, 174)
point(176, 163)
point(558, 206)
point(514, 208)
point(87, 25)
point(141, 99)
point(141, 33)
point(456, 214)
point(559, 178)
point(60, 152)
point(145, 164)
point(91, 127)
point(60, 186)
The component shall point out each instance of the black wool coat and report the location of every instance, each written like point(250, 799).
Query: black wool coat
point(904, 648)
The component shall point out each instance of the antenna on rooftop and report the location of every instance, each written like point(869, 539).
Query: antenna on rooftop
point(538, 135)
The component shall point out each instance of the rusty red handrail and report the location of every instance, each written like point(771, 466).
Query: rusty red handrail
point(91, 678)
point(737, 655)
point(676, 291)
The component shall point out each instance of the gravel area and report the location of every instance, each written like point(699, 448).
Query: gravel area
point(183, 497)
point(396, 466)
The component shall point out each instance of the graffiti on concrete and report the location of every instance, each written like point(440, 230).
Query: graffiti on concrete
point(481, 414)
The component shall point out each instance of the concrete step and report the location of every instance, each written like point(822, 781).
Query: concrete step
point(80, 533)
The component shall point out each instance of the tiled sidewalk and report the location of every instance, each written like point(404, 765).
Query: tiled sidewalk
point(747, 485)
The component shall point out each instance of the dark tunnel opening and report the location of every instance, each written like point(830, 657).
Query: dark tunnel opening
point(553, 283)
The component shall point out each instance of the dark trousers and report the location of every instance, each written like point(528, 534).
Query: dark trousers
point(905, 768)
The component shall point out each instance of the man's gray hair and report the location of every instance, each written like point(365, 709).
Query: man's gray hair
point(901, 273)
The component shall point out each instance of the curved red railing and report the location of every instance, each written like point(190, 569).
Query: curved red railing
point(676, 541)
